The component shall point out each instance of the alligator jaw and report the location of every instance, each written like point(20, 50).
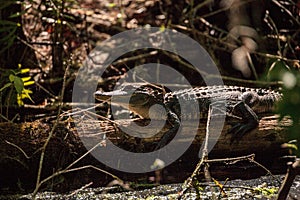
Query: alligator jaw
point(134, 99)
point(126, 100)
point(106, 96)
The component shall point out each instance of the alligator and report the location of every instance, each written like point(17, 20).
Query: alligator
point(243, 102)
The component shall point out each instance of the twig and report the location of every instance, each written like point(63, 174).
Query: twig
point(252, 65)
point(80, 189)
point(45, 90)
point(189, 182)
point(228, 186)
point(54, 106)
point(263, 167)
point(293, 170)
point(75, 169)
point(19, 148)
point(232, 160)
point(76, 161)
point(277, 33)
point(286, 11)
point(38, 183)
point(205, 151)
point(6, 119)
point(134, 58)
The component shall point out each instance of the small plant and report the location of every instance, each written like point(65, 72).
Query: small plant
point(263, 190)
point(13, 86)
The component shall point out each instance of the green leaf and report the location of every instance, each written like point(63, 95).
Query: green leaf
point(17, 14)
point(27, 92)
point(23, 71)
point(28, 83)
point(11, 78)
point(6, 22)
point(25, 79)
point(5, 86)
point(19, 84)
point(19, 100)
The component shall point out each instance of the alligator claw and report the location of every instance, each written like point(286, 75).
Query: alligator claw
point(174, 121)
point(240, 129)
point(165, 139)
point(250, 121)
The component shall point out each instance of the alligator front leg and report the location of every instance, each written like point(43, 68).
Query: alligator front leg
point(249, 118)
point(175, 122)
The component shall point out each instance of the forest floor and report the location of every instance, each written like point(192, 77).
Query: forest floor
point(264, 187)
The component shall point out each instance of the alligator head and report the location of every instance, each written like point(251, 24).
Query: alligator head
point(137, 98)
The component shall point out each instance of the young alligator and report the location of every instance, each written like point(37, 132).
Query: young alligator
point(242, 101)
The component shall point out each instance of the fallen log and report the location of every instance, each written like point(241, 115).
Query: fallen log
point(268, 136)
point(21, 143)
point(265, 142)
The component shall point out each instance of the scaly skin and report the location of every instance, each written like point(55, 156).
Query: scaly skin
point(246, 102)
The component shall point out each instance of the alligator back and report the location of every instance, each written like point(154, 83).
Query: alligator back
point(259, 99)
